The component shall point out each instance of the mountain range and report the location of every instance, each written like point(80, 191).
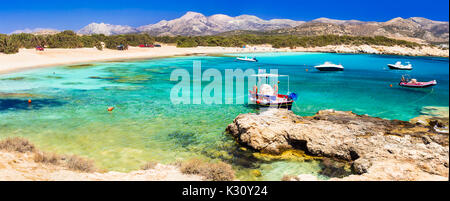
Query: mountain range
point(416, 29)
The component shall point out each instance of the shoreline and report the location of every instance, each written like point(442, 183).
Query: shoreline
point(28, 59)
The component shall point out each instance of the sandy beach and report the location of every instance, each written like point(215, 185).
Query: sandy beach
point(30, 58)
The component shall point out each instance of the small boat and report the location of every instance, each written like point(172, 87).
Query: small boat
point(328, 66)
point(399, 66)
point(414, 84)
point(265, 95)
point(249, 59)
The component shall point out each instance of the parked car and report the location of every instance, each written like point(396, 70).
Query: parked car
point(122, 47)
point(157, 45)
point(39, 48)
point(146, 45)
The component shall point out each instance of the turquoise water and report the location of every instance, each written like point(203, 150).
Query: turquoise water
point(68, 110)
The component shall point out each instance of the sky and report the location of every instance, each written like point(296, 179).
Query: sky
point(75, 14)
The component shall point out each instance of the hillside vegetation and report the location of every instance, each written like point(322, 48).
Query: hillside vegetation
point(10, 44)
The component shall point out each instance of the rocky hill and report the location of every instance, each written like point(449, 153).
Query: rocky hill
point(106, 29)
point(416, 29)
point(193, 23)
point(413, 29)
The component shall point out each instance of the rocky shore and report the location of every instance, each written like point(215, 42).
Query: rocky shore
point(378, 149)
point(376, 49)
point(22, 167)
point(22, 161)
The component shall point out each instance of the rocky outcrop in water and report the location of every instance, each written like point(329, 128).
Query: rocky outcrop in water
point(378, 149)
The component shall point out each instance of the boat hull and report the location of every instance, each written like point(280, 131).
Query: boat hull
point(287, 105)
point(247, 60)
point(419, 84)
point(254, 98)
point(398, 68)
point(329, 69)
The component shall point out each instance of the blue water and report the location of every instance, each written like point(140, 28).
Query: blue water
point(68, 110)
point(364, 86)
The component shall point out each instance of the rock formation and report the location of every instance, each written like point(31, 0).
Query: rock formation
point(376, 147)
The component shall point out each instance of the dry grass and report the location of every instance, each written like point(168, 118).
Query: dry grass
point(80, 164)
point(22, 145)
point(149, 165)
point(177, 163)
point(48, 158)
point(288, 178)
point(210, 171)
point(193, 166)
point(17, 144)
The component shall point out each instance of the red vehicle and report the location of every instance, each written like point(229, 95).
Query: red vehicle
point(39, 48)
point(146, 45)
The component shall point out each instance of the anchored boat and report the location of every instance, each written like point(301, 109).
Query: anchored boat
point(413, 83)
point(249, 59)
point(266, 95)
point(399, 66)
point(328, 66)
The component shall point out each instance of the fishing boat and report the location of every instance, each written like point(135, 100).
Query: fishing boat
point(399, 66)
point(413, 83)
point(249, 59)
point(328, 66)
point(265, 95)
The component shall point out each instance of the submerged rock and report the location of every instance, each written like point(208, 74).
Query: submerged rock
point(434, 117)
point(364, 141)
point(78, 66)
point(292, 155)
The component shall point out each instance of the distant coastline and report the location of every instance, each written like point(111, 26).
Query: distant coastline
point(29, 58)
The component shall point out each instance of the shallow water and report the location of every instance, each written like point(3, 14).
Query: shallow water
point(68, 110)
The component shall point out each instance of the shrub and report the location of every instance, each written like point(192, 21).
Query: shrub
point(193, 166)
point(211, 171)
point(17, 144)
point(149, 165)
point(218, 172)
point(99, 46)
point(80, 164)
point(48, 158)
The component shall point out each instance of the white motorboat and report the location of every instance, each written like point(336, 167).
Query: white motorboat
point(328, 66)
point(247, 59)
point(399, 66)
